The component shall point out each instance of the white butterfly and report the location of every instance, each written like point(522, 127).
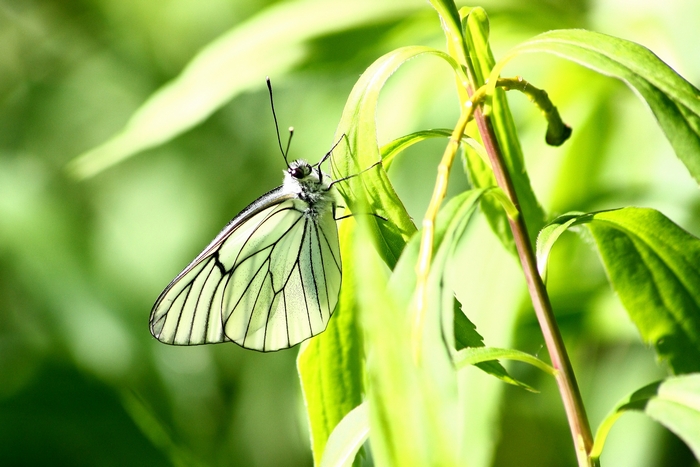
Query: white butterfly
point(269, 280)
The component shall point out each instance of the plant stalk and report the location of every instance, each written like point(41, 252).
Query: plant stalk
point(565, 378)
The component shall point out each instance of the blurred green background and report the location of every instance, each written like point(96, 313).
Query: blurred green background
point(82, 382)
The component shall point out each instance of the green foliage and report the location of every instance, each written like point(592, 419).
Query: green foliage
point(411, 368)
point(653, 265)
point(672, 402)
point(674, 101)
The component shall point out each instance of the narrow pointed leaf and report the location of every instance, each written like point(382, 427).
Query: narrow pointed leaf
point(266, 44)
point(477, 34)
point(360, 150)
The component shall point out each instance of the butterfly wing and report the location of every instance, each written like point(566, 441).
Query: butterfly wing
point(269, 280)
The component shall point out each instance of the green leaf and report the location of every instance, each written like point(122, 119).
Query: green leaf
point(674, 402)
point(476, 355)
point(266, 44)
point(654, 266)
point(331, 364)
point(404, 428)
point(347, 438)
point(673, 100)
point(449, 228)
point(372, 191)
point(331, 398)
point(412, 404)
point(550, 233)
point(498, 113)
point(467, 338)
point(392, 149)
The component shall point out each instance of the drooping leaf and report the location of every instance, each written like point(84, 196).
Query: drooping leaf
point(550, 233)
point(476, 355)
point(673, 100)
point(372, 190)
point(654, 266)
point(392, 149)
point(330, 367)
point(673, 402)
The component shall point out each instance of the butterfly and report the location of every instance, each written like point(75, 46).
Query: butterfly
point(271, 278)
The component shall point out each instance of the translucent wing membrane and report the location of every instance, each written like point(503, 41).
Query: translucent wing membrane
point(270, 280)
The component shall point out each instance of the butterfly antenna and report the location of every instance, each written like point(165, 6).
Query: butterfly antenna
point(328, 154)
point(277, 128)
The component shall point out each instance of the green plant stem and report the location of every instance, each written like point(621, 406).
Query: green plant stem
point(566, 380)
point(427, 235)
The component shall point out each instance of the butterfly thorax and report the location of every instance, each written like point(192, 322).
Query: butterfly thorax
point(309, 184)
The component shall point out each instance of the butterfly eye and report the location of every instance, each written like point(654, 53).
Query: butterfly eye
point(297, 172)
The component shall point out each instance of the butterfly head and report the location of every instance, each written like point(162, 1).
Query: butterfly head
point(300, 170)
point(308, 183)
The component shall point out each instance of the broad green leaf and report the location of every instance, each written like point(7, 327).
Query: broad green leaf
point(331, 365)
point(266, 44)
point(673, 100)
point(360, 150)
point(403, 429)
point(498, 113)
point(654, 266)
point(674, 402)
point(347, 438)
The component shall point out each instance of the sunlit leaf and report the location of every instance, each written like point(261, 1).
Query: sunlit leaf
point(449, 227)
point(357, 126)
point(550, 233)
point(402, 429)
point(347, 438)
point(331, 365)
point(673, 402)
point(266, 44)
point(654, 266)
point(673, 100)
point(475, 355)
point(392, 149)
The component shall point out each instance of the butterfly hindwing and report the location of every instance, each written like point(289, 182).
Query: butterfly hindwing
point(287, 300)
